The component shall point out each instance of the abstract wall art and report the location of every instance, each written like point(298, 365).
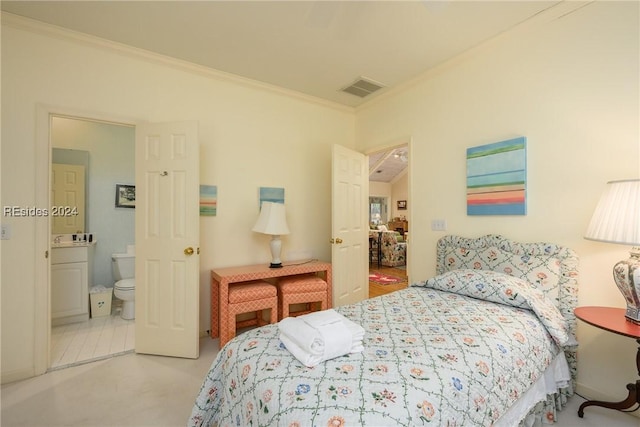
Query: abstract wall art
point(271, 194)
point(208, 200)
point(497, 178)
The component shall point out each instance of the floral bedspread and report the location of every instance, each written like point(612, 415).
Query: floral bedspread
point(431, 357)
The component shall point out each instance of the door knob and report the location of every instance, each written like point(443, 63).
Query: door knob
point(338, 241)
point(188, 251)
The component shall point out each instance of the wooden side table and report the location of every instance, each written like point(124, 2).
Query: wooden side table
point(613, 320)
point(222, 278)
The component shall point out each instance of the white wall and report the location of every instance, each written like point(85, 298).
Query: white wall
point(570, 85)
point(380, 189)
point(250, 137)
point(394, 191)
point(400, 191)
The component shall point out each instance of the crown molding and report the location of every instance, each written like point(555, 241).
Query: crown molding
point(49, 30)
point(557, 11)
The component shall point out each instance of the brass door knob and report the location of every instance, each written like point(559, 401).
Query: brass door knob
point(188, 251)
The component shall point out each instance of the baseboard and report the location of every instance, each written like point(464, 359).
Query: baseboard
point(17, 375)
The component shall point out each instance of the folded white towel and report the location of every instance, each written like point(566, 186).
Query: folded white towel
point(320, 336)
point(336, 338)
point(321, 318)
point(305, 331)
point(356, 330)
point(306, 337)
point(308, 360)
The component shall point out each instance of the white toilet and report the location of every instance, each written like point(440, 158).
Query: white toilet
point(124, 266)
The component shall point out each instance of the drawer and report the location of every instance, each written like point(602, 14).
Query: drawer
point(66, 255)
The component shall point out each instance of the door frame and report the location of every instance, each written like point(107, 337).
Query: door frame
point(397, 143)
point(42, 274)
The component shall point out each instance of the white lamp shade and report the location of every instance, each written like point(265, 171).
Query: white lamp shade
point(272, 219)
point(617, 215)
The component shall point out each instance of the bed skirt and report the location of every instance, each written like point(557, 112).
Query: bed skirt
point(540, 404)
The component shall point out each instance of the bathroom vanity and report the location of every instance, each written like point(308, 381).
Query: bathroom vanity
point(71, 265)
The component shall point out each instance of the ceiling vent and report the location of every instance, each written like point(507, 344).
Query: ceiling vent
point(363, 87)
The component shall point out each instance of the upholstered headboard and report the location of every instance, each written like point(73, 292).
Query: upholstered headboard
point(552, 267)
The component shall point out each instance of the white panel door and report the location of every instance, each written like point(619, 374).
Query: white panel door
point(167, 239)
point(67, 199)
point(349, 226)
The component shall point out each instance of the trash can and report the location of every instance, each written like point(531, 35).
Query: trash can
point(100, 297)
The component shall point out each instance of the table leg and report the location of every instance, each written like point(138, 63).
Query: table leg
point(632, 399)
point(214, 325)
point(224, 312)
point(328, 278)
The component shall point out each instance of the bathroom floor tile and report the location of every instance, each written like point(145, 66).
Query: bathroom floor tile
point(97, 338)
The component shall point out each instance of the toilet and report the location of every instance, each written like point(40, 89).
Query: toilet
point(123, 266)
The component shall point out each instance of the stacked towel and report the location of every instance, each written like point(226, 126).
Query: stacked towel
point(319, 336)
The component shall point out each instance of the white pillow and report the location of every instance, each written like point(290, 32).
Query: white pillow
point(382, 228)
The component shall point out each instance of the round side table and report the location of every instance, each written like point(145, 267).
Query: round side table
point(613, 320)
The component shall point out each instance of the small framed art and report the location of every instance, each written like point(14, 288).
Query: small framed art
point(402, 204)
point(125, 196)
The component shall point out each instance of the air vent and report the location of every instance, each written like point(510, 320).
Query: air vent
point(363, 87)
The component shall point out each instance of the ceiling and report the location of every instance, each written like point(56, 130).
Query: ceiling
point(389, 165)
point(316, 48)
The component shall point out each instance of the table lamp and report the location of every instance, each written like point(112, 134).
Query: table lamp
point(617, 220)
point(273, 221)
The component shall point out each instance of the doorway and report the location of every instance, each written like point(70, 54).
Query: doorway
point(187, 139)
point(388, 219)
point(106, 152)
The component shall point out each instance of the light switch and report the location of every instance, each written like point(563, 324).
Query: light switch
point(6, 231)
point(439, 225)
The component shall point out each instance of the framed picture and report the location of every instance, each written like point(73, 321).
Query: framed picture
point(125, 196)
point(497, 178)
point(208, 200)
point(270, 194)
point(402, 204)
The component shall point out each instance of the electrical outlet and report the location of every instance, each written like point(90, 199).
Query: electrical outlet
point(6, 231)
point(438, 225)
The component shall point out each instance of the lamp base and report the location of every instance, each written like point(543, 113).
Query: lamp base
point(276, 247)
point(632, 315)
point(626, 274)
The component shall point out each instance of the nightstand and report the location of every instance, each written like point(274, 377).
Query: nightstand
point(613, 320)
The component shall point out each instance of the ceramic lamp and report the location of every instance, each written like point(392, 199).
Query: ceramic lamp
point(617, 220)
point(273, 221)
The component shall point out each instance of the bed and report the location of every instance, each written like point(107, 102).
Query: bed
point(488, 341)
